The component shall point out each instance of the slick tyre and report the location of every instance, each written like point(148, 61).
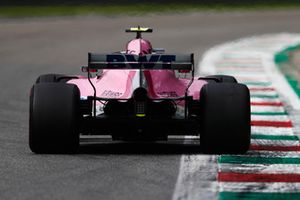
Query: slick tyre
point(225, 118)
point(223, 78)
point(52, 78)
point(54, 117)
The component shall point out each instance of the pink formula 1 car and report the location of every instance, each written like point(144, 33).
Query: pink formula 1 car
point(137, 95)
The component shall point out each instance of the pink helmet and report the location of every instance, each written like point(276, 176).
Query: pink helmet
point(139, 46)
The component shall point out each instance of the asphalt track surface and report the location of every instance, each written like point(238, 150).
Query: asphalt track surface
point(30, 47)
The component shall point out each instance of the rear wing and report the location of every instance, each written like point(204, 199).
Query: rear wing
point(139, 29)
point(149, 61)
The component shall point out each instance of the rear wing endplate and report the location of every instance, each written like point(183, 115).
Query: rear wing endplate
point(149, 61)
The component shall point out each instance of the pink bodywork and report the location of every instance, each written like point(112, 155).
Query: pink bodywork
point(122, 83)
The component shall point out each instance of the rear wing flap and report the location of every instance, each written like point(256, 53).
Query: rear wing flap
point(149, 61)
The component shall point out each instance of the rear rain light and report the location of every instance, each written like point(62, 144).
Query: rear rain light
point(140, 109)
point(184, 71)
point(86, 69)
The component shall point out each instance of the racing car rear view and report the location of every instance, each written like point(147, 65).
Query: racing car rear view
point(137, 95)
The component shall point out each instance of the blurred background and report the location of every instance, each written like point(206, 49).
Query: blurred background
point(14, 8)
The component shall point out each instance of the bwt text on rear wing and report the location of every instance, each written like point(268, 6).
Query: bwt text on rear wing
point(149, 62)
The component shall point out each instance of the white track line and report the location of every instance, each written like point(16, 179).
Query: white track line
point(255, 99)
point(261, 168)
point(271, 130)
point(282, 118)
point(267, 109)
point(275, 143)
point(197, 178)
point(261, 187)
point(267, 154)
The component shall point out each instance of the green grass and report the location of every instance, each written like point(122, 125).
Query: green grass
point(132, 9)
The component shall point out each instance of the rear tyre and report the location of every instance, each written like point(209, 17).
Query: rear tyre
point(223, 78)
point(225, 118)
point(52, 78)
point(54, 117)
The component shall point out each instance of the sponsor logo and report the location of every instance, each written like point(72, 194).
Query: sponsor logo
point(168, 94)
point(111, 94)
point(148, 62)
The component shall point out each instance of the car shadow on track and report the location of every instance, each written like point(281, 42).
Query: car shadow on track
point(112, 147)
